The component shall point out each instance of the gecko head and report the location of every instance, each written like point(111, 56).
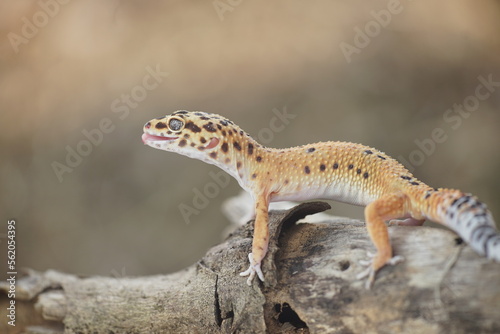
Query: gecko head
point(190, 133)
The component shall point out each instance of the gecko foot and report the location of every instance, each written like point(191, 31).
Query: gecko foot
point(371, 271)
point(253, 269)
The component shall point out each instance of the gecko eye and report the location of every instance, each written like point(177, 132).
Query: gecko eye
point(175, 124)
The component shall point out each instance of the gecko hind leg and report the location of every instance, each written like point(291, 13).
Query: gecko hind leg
point(376, 213)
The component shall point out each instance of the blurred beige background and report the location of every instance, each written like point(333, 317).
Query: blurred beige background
point(68, 69)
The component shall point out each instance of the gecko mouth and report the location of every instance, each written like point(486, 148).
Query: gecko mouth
point(147, 137)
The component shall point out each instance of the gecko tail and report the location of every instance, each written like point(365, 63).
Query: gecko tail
point(471, 219)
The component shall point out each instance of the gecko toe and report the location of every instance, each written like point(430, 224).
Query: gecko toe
point(395, 260)
point(370, 272)
point(364, 273)
point(253, 269)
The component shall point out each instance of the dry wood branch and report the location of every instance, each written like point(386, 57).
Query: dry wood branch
point(311, 286)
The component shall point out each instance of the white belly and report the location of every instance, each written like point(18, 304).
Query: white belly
point(340, 192)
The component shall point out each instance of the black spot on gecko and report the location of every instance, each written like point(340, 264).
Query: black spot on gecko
point(259, 158)
point(198, 113)
point(201, 148)
point(168, 132)
point(365, 175)
point(238, 164)
point(322, 167)
point(250, 149)
point(358, 171)
point(186, 135)
point(368, 152)
point(351, 166)
point(230, 132)
point(203, 140)
point(224, 133)
point(254, 176)
point(286, 181)
point(427, 195)
point(227, 160)
point(310, 150)
point(241, 132)
point(404, 177)
point(307, 170)
point(414, 183)
point(468, 224)
point(381, 157)
point(224, 147)
point(213, 155)
point(160, 125)
point(193, 127)
point(335, 166)
point(182, 143)
point(219, 127)
point(223, 122)
point(492, 235)
point(180, 112)
point(192, 144)
point(483, 232)
point(465, 200)
point(209, 127)
point(478, 204)
point(237, 146)
point(205, 118)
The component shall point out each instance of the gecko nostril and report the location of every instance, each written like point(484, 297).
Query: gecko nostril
point(147, 125)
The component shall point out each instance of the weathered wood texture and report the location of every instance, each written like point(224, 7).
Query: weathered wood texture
point(311, 286)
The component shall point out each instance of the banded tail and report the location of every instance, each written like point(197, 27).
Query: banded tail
point(468, 217)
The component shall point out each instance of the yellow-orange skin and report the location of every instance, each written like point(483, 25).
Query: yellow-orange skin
point(341, 171)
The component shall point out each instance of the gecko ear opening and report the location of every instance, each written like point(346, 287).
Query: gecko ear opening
point(213, 142)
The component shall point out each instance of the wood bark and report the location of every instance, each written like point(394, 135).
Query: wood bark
point(310, 287)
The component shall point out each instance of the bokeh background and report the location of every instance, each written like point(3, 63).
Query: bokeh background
point(117, 211)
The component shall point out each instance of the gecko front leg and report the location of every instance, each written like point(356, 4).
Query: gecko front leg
point(260, 240)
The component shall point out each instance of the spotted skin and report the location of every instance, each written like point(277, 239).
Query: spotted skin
point(341, 171)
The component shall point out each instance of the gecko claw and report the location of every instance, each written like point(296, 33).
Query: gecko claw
point(370, 271)
point(253, 269)
point(371, 255)
point(366, 263)
point(395, 260)
point(363, 274)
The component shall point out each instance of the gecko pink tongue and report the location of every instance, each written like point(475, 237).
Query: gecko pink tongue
point(147, 136)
